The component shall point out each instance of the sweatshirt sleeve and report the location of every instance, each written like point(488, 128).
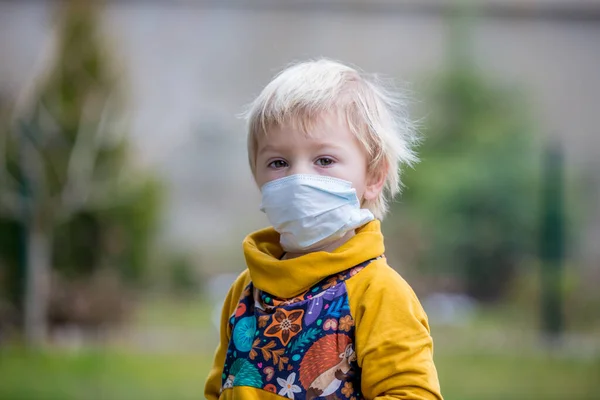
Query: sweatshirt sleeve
point(393, 344)
point(212, 386)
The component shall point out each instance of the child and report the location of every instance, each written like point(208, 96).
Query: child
point(318, 313)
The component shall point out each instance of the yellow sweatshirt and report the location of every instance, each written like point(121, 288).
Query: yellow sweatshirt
point(324, 325)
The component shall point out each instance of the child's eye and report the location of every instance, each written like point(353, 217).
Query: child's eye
point(276, 164)
point(325, 161)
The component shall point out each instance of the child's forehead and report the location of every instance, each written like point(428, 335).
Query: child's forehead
point(288, 140)
point(321, 129)
point(309, 126)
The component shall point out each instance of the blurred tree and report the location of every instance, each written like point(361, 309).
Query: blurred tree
point(472, 193)
point(65, 176)
point(552, 243)
point(183, 278)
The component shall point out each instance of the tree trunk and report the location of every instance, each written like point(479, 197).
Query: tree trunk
point(37, 285)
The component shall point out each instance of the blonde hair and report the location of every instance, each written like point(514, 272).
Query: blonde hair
point(377, 116)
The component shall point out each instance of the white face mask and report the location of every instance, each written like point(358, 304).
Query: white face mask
point(312, 211)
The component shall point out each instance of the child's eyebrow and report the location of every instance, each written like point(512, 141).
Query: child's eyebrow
point(327, 146)
point(315, 147)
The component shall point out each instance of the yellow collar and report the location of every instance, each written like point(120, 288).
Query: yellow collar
point(288, 278)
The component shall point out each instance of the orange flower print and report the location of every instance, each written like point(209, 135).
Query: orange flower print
point(262, 320)
point(285, 325)
point(347, 389)
point(346, 323)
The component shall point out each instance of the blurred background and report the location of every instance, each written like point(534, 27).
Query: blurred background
point(125, 191)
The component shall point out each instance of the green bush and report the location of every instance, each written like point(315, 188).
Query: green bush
point(77, 184)
point(472, 195)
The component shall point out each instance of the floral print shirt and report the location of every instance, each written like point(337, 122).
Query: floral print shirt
point(299, 348)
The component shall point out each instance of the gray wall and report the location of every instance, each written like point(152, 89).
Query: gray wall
point(191, 69)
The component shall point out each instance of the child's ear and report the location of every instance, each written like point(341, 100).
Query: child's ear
point(375, 181)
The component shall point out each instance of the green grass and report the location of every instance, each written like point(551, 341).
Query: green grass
point(91, 375)
point(491, 377)
point(192, 312)
point(495, 357)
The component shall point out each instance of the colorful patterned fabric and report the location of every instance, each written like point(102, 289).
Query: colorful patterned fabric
point(300, 348)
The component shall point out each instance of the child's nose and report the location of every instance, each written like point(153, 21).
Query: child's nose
point(299, 168)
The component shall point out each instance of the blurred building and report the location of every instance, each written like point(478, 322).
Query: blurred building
point(190, 67)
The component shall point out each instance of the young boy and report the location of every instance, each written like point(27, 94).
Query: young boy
point(318, 313)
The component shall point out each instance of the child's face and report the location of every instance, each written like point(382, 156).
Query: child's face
point(330, 149)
